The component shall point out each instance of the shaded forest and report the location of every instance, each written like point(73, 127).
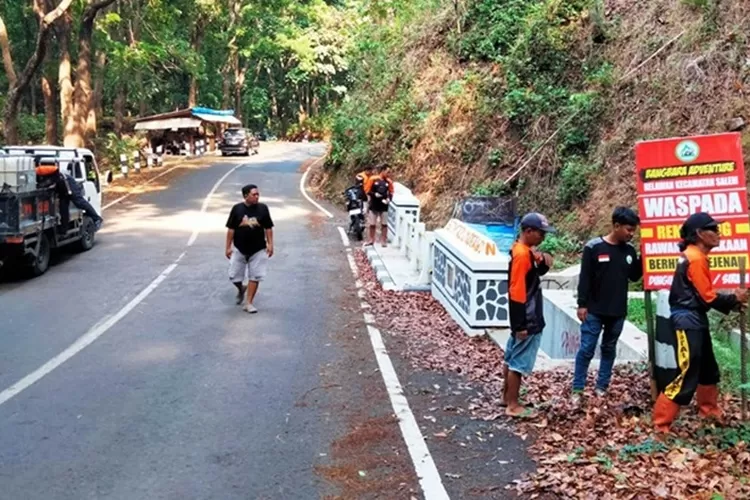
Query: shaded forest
point(76, 72)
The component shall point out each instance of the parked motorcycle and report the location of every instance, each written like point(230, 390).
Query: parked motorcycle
point(355, 204)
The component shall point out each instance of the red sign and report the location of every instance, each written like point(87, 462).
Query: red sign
point(681, 176)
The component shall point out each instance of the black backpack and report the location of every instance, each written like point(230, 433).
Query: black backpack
point(380, 189)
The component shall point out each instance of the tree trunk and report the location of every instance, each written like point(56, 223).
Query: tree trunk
point(119, 106)
point(196, 40)
point(75, 128)
point(65, 71)
point(101, 62)
point(32, 91)
point(50, 110)
point(10, 111)
point(239, 84)
point(96, 98)
point(226, 90)
point(193, 92)
point(10, 70)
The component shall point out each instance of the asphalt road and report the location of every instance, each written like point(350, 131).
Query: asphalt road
point(150, 383)
point(187, 396)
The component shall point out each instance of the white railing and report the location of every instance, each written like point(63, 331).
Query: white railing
point(410, 236)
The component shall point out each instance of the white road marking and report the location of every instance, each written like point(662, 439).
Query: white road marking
point(207, 200)
point(118, 200)
point(424, 465)
point(83, 341)
point(344, 237)
point(103, 326)
point(302, 189)
point(353, 267)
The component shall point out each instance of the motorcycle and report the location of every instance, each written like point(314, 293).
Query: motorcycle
point(355, 206)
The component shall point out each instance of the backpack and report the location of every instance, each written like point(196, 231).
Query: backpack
point(380, 189)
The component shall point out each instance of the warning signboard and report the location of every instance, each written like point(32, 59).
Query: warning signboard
point(679, 177)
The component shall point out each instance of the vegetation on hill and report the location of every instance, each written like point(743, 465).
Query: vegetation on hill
point(540, 98)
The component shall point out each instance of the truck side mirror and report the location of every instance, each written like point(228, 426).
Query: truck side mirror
point(108, 177)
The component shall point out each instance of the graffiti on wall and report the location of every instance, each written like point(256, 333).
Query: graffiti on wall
point(571, 341)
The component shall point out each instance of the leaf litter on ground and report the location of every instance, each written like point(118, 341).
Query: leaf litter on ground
point(604, 448)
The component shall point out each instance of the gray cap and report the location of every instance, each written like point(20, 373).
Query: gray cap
point(537, 221)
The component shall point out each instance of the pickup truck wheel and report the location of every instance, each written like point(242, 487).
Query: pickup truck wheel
point(40, 263)
point(88, 232)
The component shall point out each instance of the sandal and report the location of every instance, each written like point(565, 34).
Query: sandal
point(527, 413)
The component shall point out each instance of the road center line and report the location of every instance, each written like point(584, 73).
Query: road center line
point(103, 326)
point(424, 465)
point(302, 189)
point(207, 200)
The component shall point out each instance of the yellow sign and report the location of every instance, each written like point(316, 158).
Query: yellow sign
point(472, 238)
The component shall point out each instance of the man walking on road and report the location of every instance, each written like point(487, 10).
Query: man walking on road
point(607, 264)
point(526, 308)
point(249, 244)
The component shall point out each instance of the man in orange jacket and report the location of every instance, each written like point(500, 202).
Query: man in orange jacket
point(691, 296)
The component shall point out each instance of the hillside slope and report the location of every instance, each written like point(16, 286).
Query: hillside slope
point(459, 98)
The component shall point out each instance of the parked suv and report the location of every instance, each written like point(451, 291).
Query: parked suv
point(238, 141)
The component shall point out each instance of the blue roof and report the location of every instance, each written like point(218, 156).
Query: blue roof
point(209, 111)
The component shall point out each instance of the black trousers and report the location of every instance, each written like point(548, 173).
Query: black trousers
point(696, 364)
point(75, 195)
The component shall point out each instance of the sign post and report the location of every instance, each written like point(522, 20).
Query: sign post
point(679, 177)
point(676, 178)
point(743, 346)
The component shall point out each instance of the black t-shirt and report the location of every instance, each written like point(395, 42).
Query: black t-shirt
point(605, 271)
point(249, 224)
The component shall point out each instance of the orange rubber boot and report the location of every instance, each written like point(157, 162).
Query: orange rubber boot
point(665, 412)
point(707, 397)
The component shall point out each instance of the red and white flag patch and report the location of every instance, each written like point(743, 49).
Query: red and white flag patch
point(604, 258)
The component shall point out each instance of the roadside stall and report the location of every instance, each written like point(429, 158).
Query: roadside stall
point(179, 130)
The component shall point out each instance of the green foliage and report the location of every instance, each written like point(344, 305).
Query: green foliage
point(495, 157)
point(698, 4)
point(637, 313)
point(31, 129)
point(559, 244)
point(114, 147)
point(490, 188)
point(574, 181)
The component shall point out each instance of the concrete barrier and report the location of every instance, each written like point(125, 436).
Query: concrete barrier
point(561, 337)
point(567, 279)
point(404, 206)
point(470, 278)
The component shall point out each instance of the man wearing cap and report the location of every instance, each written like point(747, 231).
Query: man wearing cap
point(690, 298)
point(526, 307)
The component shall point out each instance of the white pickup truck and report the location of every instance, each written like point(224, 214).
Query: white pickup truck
point(29, 208)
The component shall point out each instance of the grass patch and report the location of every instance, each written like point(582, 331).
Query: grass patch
point(637, 313)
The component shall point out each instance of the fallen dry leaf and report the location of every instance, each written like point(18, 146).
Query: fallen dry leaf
point(603, 449)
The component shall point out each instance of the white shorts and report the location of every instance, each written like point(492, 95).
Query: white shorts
point(252, 268)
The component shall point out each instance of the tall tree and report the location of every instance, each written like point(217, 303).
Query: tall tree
point(18, 84)
point(81, 106)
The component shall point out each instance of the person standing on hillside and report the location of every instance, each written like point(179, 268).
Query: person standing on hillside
point(607, 264)
point(361, 178)
point(691, 296)
point(379, 190)
point(249, 244)
point(526, 308)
